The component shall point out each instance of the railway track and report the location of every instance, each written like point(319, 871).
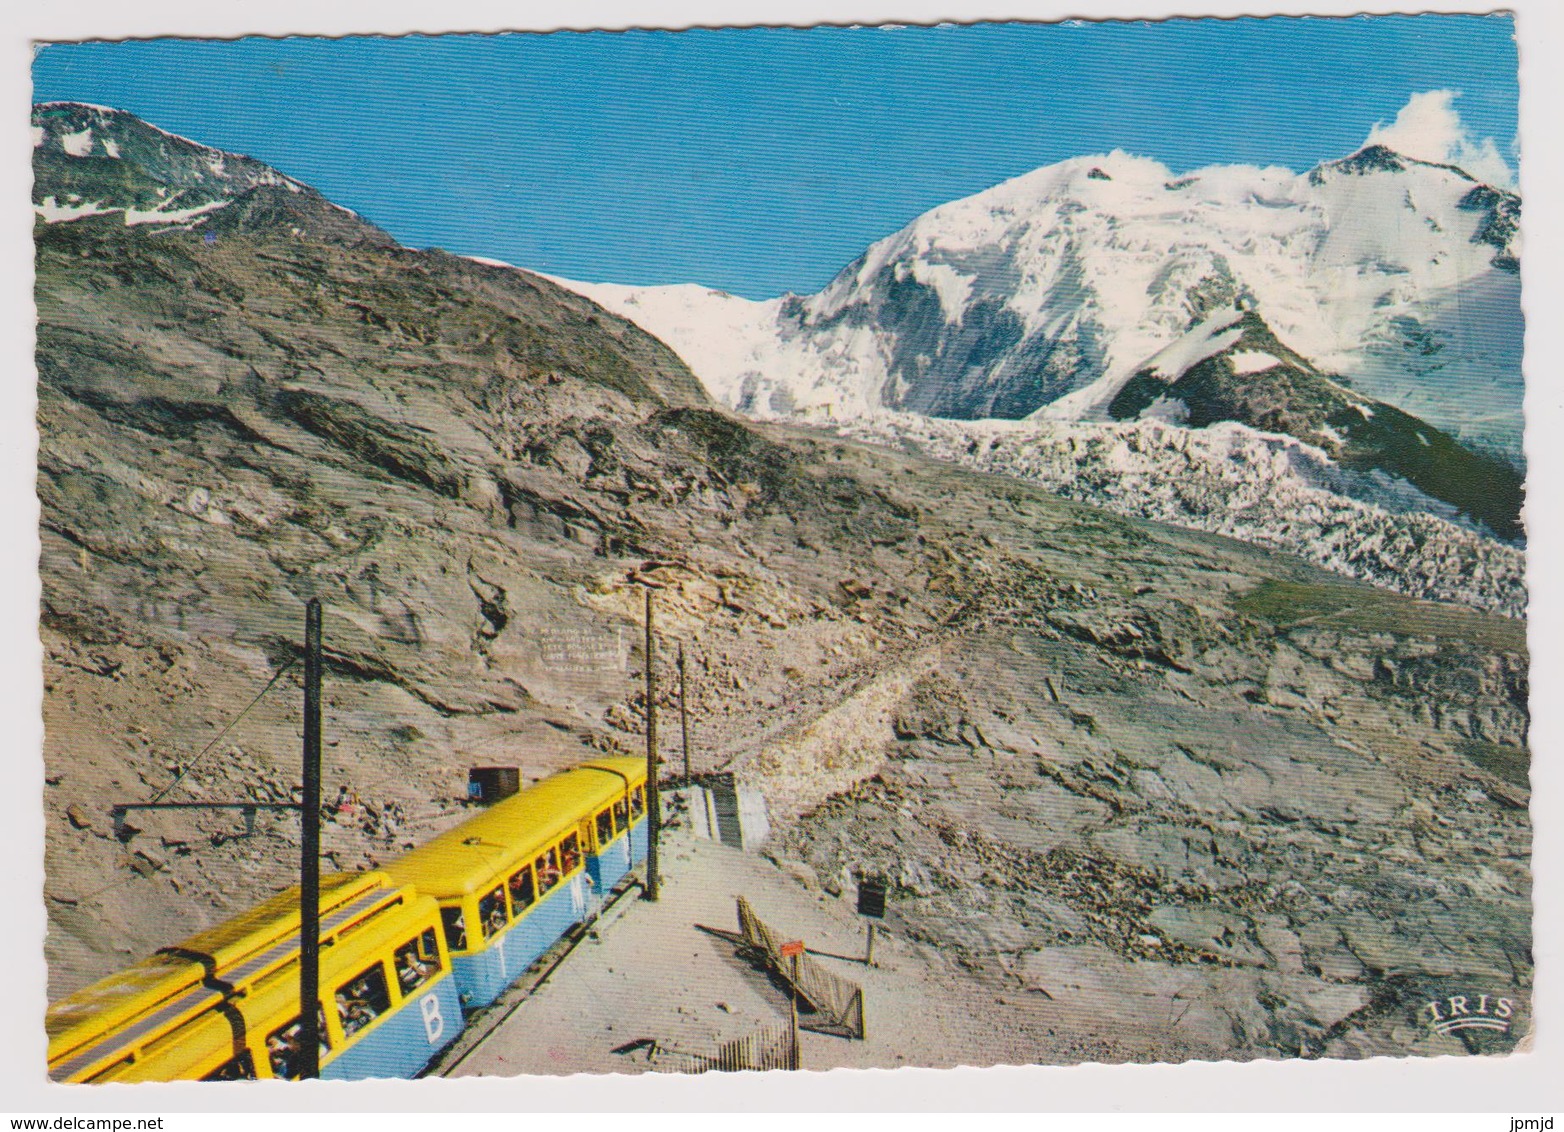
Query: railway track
point(486, 1021)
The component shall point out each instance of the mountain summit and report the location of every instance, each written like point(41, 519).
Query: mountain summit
point(94, 160)
point(1401, 273)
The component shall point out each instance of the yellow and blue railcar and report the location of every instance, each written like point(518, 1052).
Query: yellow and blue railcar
point(618, 837)
point(451, 924)
point(224, 1004)
point(514, 879)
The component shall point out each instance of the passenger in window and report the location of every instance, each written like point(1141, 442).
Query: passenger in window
point(605, 828)
point(412, 971)
point(235, 1069)
point(521, 895)
point(455, 928)
point(282, 1051)
point(363, 1002)
point(637, 804)
point(570, 856)
point(621, 815)
point(491, 910)
point(548, 870)
point(357, 1017)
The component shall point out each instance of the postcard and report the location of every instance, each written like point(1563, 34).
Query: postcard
point(783, 548)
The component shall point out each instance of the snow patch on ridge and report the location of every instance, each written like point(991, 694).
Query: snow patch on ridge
point(53, 213)
point(1205, 340)
point(953, 288)
point(135, 216)
point(77, 144)
point(1252, 361)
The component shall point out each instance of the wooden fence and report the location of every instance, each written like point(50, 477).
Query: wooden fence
point(764, 1049)
point(837, 1003)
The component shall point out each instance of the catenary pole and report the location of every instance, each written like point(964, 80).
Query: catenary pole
point(684, 719)
point(309, 860)
point(653, 804)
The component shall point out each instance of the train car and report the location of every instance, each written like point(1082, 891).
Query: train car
point(619, 830)
point(404, 950)
point(512, 880)
point(224, 1004)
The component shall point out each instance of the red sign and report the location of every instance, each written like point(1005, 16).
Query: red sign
point(792, 948)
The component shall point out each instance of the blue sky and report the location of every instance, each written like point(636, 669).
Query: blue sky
point(764, 160)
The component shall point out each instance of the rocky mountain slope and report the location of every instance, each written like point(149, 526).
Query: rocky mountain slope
point(1105, 762)
point(1399, 273)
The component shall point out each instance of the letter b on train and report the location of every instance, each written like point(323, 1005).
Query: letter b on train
point(434, 1021)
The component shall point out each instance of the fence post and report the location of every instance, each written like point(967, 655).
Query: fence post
point(793, 1017)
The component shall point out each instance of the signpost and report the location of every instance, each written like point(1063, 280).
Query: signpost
point(792, 950)
point(871, 904)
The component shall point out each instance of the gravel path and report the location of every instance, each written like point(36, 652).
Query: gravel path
point(652, 973)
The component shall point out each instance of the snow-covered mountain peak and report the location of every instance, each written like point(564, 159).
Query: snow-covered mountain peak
point(1104, 179)
point(1041, 293)
point(1378, 158)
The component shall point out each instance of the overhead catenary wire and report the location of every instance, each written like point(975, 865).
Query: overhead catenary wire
point(218, 738)
point(180, 777)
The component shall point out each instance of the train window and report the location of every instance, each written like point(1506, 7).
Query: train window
point(455, 928)
point(241, 1068)
point(362, 999)
point(548, 870)
point(284, 1048)
point(521, 893)
point(569, 854)
point(621, 815)
point(491, 910)
point(637, 803)
point(605, 828)
point(417, 961)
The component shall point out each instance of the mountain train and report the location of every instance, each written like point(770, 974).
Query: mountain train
point(407, 951)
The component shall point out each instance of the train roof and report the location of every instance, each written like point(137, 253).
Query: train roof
point(169, 988)
point(465, 858)
point(206, 1041)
